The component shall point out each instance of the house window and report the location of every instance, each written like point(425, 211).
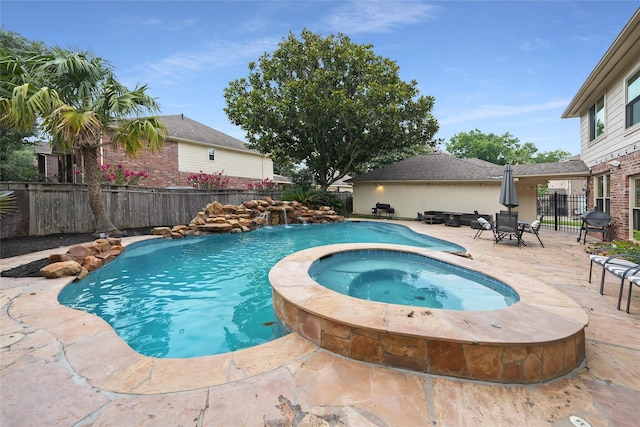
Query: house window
point(212, 154)
point(602, 193)
point(596, 119)
point(633, 100)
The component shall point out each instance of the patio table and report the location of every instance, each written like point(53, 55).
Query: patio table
point(452, 219)
point(522, 225)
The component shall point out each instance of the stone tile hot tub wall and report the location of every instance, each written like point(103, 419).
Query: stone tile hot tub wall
point(539, 338)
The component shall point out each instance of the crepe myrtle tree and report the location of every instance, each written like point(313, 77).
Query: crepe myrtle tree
point(329, 104)
point(76, 99)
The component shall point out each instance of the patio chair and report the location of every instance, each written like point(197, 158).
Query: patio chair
point(621, 261)
point(634, 279)
point(483, 225)
point(507, 225)
point(534, 227)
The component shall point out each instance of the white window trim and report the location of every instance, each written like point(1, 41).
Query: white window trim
point(595, 114)
point(627, 100)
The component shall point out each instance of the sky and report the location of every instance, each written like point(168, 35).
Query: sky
point(495, 66)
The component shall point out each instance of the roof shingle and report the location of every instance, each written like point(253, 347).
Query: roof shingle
point(444, 167)
point(182, 127)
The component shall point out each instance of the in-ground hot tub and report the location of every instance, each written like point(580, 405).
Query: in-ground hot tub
point(538, 338)
point(406, 278)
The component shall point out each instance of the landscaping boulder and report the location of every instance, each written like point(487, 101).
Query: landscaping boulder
point(59, 269)
point(80, 252)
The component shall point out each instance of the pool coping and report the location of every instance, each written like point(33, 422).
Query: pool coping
point(539, 338)
point(100, 357)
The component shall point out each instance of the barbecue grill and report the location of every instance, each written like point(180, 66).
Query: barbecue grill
point(595, 222)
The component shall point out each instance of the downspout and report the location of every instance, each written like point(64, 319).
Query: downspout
point(101, 153)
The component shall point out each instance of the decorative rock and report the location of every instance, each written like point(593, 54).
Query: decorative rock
point(199, 219)
point(161, 231)
point(93, 247)
point(103, 244)
point(79, 252)
point(215, 218)
point(91, 263)
point(59, 269)
point(106, 257)
point(116, 250)
point(216, 208)
point(246, 222)
point(82, 274)
point(216, 227)
point(59, 258)
point(180, 229)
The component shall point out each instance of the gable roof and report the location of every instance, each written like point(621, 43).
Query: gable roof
point(443, 167)
point(181, 127)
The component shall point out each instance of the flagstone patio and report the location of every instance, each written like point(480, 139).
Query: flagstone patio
point(62, 367)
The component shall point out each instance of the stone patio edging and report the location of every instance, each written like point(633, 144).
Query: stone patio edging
point(539, 338)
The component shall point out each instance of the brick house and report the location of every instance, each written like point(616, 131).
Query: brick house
point(189, 148)
point(608, 105)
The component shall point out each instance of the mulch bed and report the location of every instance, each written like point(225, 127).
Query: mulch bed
point(17, 246)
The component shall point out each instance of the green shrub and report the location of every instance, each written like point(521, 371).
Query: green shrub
point(618, 247)
point(314, 199)
point(19, 166)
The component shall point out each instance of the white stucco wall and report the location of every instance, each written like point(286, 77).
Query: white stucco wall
point(409, 199)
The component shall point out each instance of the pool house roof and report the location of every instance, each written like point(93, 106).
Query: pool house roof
point(443, 167)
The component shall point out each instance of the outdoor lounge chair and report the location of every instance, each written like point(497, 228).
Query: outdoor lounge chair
point(507, 225)
point(620, 271)
point(534, 227)
point(634, 279)
point(622, 262)
point(483, 225)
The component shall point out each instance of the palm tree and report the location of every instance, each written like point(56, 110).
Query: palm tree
point(77, 100)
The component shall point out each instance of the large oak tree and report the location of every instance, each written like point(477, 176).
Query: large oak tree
point(329, 104)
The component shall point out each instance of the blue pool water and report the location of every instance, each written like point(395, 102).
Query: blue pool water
point(410, 279)
point(210, 294)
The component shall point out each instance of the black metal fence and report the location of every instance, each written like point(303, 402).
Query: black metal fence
point(562, 211)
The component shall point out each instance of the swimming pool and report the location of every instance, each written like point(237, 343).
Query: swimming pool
point(210, 294)
point(410, 279)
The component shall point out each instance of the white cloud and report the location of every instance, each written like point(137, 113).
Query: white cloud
point(491, 111)
point(155, 23)
point(378, 16)
point(214, 55)
point(534, 44)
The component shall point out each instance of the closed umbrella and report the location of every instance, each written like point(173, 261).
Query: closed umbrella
point(508, 194)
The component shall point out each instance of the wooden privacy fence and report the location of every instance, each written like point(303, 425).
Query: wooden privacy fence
point(44, 208)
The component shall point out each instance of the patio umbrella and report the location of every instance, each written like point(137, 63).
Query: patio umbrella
point(508, 194)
